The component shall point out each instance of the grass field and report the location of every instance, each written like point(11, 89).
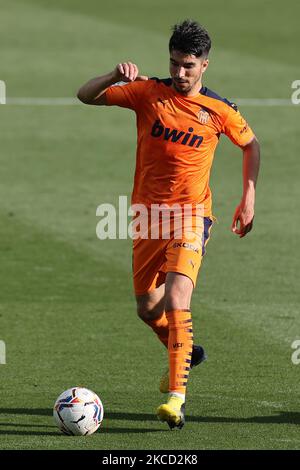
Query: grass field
point(67, 312)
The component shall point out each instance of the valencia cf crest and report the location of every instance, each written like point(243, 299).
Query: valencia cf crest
point(203, 116)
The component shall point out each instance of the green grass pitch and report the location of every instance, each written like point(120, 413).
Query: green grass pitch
point(67, 311)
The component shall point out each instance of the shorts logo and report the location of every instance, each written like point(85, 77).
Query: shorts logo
point(177, 345)
point(203, 116)
point(245, 128)
point(192, 263)
point(186, 245)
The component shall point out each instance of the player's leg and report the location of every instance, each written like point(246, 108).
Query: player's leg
point(183, 260)
point(178, 293)
point(150, 309)
point(148, 281)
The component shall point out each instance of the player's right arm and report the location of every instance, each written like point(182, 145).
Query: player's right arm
point(93, 92)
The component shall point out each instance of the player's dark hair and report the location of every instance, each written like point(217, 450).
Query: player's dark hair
point(190, 38)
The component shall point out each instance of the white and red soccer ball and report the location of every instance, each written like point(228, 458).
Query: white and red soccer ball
point(78, 412)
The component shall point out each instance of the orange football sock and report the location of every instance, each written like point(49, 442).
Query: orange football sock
point(161, 327)
point(180, 348)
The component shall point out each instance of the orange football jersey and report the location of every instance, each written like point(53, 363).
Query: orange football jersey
point(176, 140)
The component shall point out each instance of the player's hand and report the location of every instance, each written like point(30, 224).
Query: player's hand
point(243, 219)
point(128, 72)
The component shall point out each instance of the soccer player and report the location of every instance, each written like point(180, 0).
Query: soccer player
point(179, 123)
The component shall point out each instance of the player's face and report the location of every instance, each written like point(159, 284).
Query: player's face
point(186, 72)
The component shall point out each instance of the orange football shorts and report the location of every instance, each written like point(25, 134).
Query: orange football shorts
point(153, 258)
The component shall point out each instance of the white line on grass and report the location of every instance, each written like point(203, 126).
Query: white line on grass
point(74, 101)
point(263, 102)
point(42, 101)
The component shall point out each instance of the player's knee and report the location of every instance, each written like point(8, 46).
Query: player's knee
point(148, 312)
point(176, 302)
point(178, 292)
point(176, 299)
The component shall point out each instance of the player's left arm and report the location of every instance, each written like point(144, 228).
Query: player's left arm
point(241, 134)
point(244, 214)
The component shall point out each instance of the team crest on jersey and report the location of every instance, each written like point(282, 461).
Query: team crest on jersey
point(203, 116)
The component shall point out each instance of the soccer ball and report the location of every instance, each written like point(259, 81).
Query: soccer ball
point(78, 412)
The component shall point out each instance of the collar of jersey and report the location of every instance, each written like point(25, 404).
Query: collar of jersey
point(200, 92)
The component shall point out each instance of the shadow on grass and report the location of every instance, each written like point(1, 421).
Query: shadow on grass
point(9, 432)
point(282, 417)
point(48, 412)
point(26, 425)
point(59, 434)
point(26, 411)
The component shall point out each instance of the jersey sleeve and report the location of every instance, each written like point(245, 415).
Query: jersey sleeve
point(237, 128)
point(126, 95)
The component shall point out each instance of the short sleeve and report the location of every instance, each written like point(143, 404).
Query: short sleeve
point(126, 95)
point(237, 128)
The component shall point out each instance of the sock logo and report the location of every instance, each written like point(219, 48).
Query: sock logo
point(177, 345)
point(174, 135)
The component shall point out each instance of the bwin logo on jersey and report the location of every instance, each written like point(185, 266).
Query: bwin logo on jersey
point(176, 136)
